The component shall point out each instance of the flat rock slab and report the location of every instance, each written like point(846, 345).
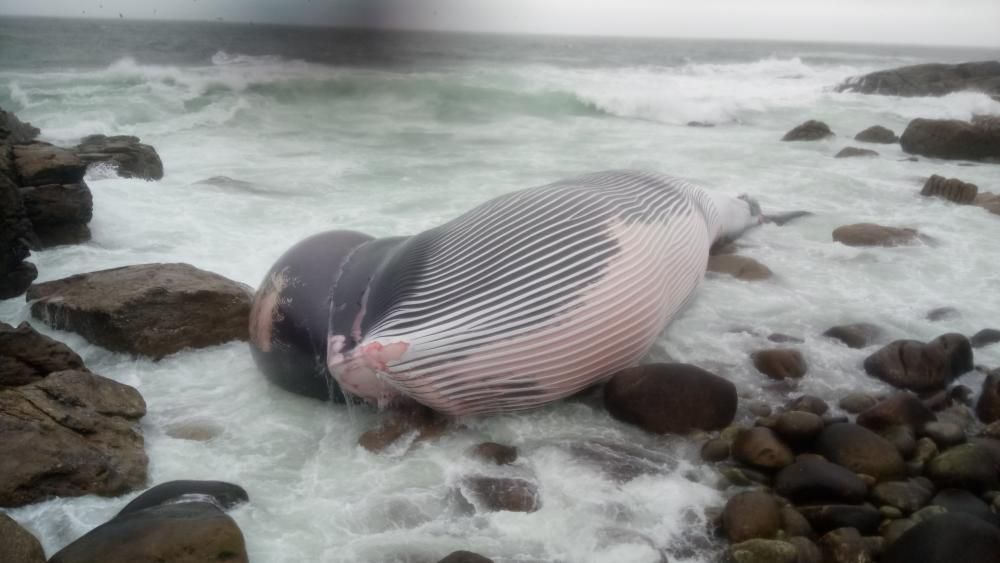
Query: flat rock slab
point(130, 158)
point(39, 164)
point(151, 310)
point(73, 433)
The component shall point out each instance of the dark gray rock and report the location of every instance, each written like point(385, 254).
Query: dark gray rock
point(187, 532)
point(465, 557)
point(853, 152)
point(826, 517)
point(493, 494)
point(953, 139)
point(907, 496)
point(844, 545)
point(223, 495)
point(59, 213)
point(671, 398)
point(988, 405)
point(150, 310)
point(944, 434)
point(808, 403)
point(985, 337)
point(959, 500)
point(860, 450)
point(877, 134)
point(857, 335)
point(910, 364)
point(931, 79)
point(812, 479)
point(130, 158)
point(17, 545)
point(27, 356)
point(968, 466)
point(811, 130)
point(498, 454)
point(947, 538)
point(14, 131)
point(16, 233)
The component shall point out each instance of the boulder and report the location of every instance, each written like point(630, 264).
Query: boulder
point(850, 152)
point(150, 310)
point(899, 409)
point(826, 517)
point(760, 447)
point(749, 515)
point(187, 532)
point(739, 267)
point(73, 433)
point(946, 313)
point(946, 538)
point(959, 500)
point(902, 437)
point(909, 364)
point(493, 452)
point(813, 479)
point(17, 280)
point(952, 139)
point(798, 427)
point(671, 398)
point(414, 420)
point(856, 403)
point(494, 494)
point(870, 234)
point(780, 363)
point(16, 233)
point(39, 164)
point(985, 337)
point(952, 189)
point(27, 356)
point(793, 523)
point(930, 79)
point(988, 405)
point(856, 335)
point(17, 545)
point(808, 403)
point(465, 557)
point(130, 158)
point(844, 545)
point(968, 466)
point(907, 496)
point(221, 494)
point(14, 131)
point(877, 134)
point(811, 130)
point(945, 434)
point(59, 213)
point(860, 450)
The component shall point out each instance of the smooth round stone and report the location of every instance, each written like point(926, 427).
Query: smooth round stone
point(958, 538)
point(808, 403)
point(856, 402)
point(968, 466)
point(890, 512)
point(798, 426)
point(906, 496)
point(860, 450)
point(750, 515)
point(760, 447)
point(944, 434)
point(763, 551)
point(902, 437)
point(959, 500)
point(817, 480)
point(760, 409)
point(716, 449)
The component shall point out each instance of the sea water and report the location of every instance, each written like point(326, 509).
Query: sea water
point(270, 134)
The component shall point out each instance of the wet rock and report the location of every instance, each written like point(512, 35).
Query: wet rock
point(223, 495)
point(899, 409)
point(870, 234)
point(739, 267)
point(812, 479)
point(825, 517)
point(951, 189)
point(73, 433)
point(793, 523)
point(988, 201)
point(39, 164)
point(465, 557)
point(494, 494)
point(780, 338)
point(985, 337)
point(798, 427)
point(844, 545)
point(928, 79)
point(877, 134)
point(620, 461)
point(715, 450)
point(415, 421)
point(946, 538)
point(944, 434)
point(498, 454)
point(943, 314)
point(184, 532)
point(150, 310)
point(902, 437)
point(130, 158)
point(17, 545)
point(958, 500)
point(992, 430)
point(860, 450)
point(857, 335)
point(760, 447)
point(856, 402)
point(811, 130)
point(808, 403)
point(808, 552)
point(760, 409)
point(988, 405)
point(890, 512)
point(910, 364)
point(14, 131)
point(893, 529)
point(780, 363)
point(848, 152)
point(59, 213)
point(763, 551)
point(749, 515)
point(198, 430)
point(952, 139)
point(968, 466)
point(27, 356)
point(907, 496)
point(17, 280)
point(671, 398)
point(16, 233)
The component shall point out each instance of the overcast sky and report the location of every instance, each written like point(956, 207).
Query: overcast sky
point(930, 22)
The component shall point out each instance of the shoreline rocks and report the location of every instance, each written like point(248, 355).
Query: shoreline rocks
point(129, 157)
point(870, 234)
point(811, 130)
point(853, 152)
point(951, 189)
point(910, 364)
point(934, 79)
point(151, 310)
point(978, 139)
point(877, 134)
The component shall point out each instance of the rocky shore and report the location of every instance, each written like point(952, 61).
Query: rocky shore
point(910, 474)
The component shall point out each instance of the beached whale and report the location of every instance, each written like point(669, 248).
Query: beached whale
point(523, 300)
